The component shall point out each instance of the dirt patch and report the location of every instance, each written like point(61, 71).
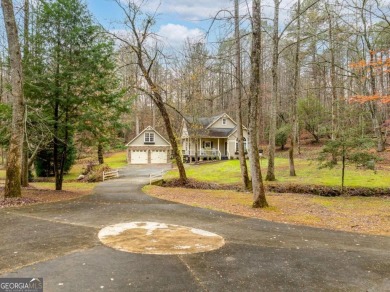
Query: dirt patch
point(355, 214)
point(159, 238)
point(32, 195)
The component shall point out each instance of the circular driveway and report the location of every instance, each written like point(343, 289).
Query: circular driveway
point(59, 242)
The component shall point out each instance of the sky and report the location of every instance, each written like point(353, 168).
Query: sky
point(177, 20)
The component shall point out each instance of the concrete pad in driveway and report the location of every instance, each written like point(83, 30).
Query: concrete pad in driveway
point(59, 242)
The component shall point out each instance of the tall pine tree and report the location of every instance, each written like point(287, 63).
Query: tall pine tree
point(73, 74)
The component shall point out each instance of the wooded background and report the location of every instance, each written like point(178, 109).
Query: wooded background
point(323, 72)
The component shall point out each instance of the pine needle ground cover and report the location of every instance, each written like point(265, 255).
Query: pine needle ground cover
point(44, 192)
point(353, 214)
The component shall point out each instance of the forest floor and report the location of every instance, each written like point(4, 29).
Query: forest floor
point(44, 192)
point(356, 214)
point(368, 215)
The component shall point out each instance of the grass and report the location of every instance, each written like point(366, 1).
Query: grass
point(66, 186)
point(116, 160)
point(228, 172)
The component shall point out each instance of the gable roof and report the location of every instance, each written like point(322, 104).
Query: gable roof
point(217, 118)
point(148, 128)
point(206, 123)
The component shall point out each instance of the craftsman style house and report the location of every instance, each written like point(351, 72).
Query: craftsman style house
point(210, 138)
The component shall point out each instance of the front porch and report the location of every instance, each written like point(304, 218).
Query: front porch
point(203, 155)
point(205, 149)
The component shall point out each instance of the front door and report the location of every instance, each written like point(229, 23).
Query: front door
point(225, 149)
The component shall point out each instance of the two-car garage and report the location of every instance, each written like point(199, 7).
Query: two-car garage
point(148, 156)
point(149, 147)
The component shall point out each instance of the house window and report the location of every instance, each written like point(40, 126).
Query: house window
point(224, 121)
point(245, 148)
point(149, 137)
point(207, 144)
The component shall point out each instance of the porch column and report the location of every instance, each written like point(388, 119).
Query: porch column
point(219, 151)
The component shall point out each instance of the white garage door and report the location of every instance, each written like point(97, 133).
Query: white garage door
point(159, 156)
point(139, 156)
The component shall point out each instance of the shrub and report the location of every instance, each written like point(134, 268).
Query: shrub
point(44, 163)
point(282, 136)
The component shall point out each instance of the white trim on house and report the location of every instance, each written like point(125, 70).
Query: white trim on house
point(224, 115)
point(149, 128)
point(235, 130)
point(149, 137)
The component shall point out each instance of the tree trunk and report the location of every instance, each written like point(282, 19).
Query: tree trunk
point(25, 168)
point(259, 199)
point(196, 146)
point(294, 128)
point(343, 172)
point(14, 160)
point(172, 139)
point(238, 93)
point(332, 75)
point(275, 91)
point(56, 144)
point(372, 106)
point(100, 153)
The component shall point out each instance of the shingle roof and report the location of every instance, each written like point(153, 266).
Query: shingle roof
point(203, 120)
point(211, 133)
point(198, 127)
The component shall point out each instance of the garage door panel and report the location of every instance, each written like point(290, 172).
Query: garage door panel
point(139, 157)
point(159, 156)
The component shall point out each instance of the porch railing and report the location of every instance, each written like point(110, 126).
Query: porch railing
point(204, 153)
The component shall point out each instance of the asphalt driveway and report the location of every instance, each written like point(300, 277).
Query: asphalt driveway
point(58, 241)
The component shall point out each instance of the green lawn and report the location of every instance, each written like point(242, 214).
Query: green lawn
point(228, 172)
point(115, 160)
point(67, 186)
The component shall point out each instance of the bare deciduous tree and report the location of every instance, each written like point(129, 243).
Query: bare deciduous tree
point(259, 199)
point(140, 24)
point(238, 93)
